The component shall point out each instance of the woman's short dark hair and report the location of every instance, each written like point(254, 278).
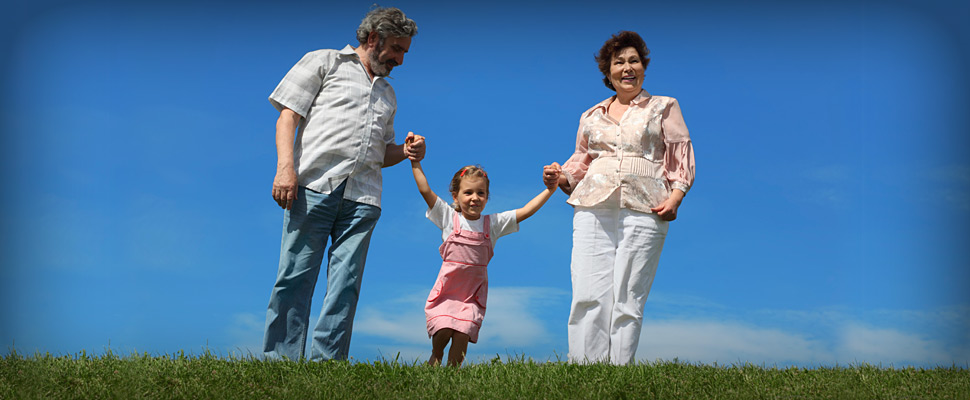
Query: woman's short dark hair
point(618, 42)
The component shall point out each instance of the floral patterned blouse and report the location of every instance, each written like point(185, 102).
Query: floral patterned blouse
point(646, 154)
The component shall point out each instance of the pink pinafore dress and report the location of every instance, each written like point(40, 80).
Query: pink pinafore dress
point(457, 300)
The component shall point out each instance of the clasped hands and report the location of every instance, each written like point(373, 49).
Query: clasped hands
point(414, 147)
point(551, 174)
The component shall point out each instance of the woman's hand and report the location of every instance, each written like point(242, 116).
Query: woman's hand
point(550, 175)
point(667, 210)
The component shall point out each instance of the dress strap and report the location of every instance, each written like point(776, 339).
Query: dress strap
point(456, 224)
point(487, 226)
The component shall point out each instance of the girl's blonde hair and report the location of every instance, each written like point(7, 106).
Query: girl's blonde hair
point(469, 170)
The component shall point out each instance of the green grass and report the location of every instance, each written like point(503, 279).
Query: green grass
point(207, 376)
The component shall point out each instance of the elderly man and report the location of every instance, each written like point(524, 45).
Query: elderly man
point(328, 180)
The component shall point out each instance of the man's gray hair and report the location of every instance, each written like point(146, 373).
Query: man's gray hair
point(386, 22)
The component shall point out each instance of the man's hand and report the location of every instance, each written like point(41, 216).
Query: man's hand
point(414, 147)
point(284, 187)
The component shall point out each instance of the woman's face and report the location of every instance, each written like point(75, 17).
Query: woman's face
point(626, 70)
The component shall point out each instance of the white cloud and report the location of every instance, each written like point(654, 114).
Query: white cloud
point(514, 316)
point(514, 320)
point(690, 329)
point(245, 334)
point(858, 342)
point(820, 337)
point(392, 326)
point(726, 342)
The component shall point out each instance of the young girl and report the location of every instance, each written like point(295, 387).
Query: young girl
point(456, 305)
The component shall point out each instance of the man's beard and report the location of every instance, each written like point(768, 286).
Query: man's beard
point(376, 66)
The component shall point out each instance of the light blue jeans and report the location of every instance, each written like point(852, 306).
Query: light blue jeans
point(306, 226)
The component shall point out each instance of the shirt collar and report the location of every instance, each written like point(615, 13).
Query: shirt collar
point(350, 51)
point(641, 97)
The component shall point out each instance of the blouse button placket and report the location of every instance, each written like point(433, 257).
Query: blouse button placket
point(617, 147)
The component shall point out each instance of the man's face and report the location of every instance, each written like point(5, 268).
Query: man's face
point(385, 56)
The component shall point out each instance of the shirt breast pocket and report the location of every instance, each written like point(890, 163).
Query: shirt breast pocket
point(383, 112)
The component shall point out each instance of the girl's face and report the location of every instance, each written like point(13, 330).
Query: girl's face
point(471, 197)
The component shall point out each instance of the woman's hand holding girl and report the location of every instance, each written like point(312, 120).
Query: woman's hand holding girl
point(550, 175)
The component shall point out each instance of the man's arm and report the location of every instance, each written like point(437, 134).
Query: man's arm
point(412, 149)
point(285, 183)
point(393, 155)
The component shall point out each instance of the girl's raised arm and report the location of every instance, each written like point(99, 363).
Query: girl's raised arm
point(422, 182)
point(533, 205)
point(550, 176)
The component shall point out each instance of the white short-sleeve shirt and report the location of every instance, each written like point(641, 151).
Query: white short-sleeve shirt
point(442, 213)
point(348, 121)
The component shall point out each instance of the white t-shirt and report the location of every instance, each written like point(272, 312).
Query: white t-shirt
point(442, 216)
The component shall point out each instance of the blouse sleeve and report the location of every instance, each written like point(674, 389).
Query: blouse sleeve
point(679, 157)
point(576, 166)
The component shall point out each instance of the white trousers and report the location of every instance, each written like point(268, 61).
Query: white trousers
point(614, 259)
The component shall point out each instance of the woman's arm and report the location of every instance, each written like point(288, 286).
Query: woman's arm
point(422, 182)
point(574, 169)
point(564, 185)
point(678, 161)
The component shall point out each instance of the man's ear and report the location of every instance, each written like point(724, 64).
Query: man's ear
point(372, 39)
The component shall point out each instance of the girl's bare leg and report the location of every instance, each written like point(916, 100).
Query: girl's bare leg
point(438, 342)
point(459, 345)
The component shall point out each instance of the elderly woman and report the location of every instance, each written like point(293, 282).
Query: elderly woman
point(632, 167)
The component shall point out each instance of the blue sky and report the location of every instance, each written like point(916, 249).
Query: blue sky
point(828, 223)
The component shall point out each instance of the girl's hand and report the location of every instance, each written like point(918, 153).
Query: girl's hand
point(667, 210)
point(550, 175)
point(414, 147)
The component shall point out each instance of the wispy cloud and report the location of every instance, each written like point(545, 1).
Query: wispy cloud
point(726, 342)
point(808, 338)
point(515, 316)
point(514, 321)
point(891, 346)
point(396, 322)
point(691, 329)
point(245, 334)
